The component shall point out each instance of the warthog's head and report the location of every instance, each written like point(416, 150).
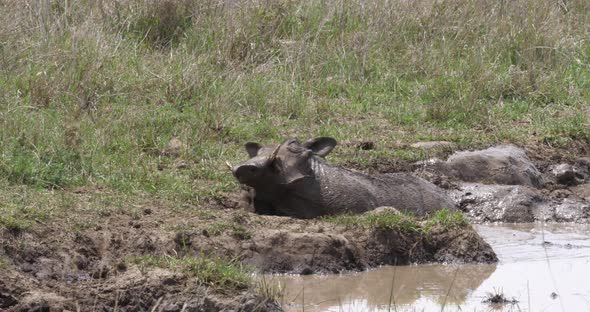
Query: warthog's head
point(284, 164)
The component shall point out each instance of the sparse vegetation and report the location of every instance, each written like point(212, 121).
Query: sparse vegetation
point(235, 229)
point(386, 220)
point(404, 222)
point(21, 207)
point(3, 263)
point(219, 274)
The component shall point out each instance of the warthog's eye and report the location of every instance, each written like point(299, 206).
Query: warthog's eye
point(295, 148)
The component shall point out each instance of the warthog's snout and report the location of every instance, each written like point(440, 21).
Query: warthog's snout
point(260, 168)
point(245, 173)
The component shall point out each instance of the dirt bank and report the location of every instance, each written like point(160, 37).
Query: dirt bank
point(53, 265)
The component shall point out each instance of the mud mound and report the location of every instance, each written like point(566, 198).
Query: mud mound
point(459, 245)
point(133, 290)
point(440, 244)
point(332, 253)
point(286, 245)
point(304, 253)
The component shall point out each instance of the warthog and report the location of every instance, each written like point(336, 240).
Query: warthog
point(294, 179)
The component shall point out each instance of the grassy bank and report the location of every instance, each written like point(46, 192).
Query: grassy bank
point(93, 92)
point(393, 220)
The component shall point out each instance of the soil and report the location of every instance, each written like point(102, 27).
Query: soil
point(47, 268)
point(56, 266)
point(89, 269)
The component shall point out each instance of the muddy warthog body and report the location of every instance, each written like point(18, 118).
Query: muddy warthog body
point(294, 179)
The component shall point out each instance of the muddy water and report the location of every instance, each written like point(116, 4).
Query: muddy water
point(545, 268)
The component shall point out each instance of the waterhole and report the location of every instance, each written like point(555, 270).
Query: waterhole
point(541, 268)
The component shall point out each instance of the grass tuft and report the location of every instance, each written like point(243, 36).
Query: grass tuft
point(447, 219)
point(394, 220)
point(497, 297)
point(219, 274)
point(235, 229)
point(270, 290)
point(382, 220)
point(3, 263)
point(159, 23)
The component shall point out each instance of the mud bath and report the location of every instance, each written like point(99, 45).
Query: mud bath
point(59, 265)
point(540, 266)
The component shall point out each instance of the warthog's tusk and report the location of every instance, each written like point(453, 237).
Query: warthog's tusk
point(274, 154)
point(228, 165)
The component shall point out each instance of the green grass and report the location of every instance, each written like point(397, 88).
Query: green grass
point(384, 220)
point(391, 220)
point(446, 219)
point(91, 93)
point(216, 273)
point(21, 207)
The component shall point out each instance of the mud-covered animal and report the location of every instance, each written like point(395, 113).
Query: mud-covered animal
point(294, 179)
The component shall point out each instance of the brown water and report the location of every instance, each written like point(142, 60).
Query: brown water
point(529, 271)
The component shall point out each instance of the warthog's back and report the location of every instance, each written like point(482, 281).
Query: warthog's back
point(344, 190)
point(416, 194)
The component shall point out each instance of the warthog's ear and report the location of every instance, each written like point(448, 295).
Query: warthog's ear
point(252, 148)
point(321, 146)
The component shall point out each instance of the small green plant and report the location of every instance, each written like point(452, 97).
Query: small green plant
point(50, 169)
point(220, 273)
point(447, 219)
point(206, 214)
point(20, 211)
point(217, 228)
